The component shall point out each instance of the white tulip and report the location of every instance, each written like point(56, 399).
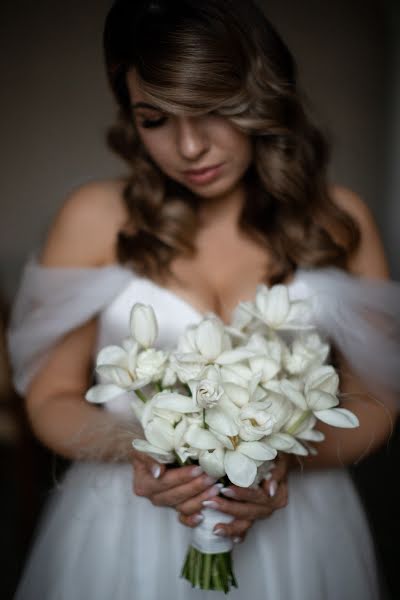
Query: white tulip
point(143, 324)
point(212, 462)
point(238, 374)
point(116, 367)
point(306, 353)
point(319, 397)
point(274, 308)
point(241, 463)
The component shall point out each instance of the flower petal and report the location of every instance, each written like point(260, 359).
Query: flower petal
point(114, 374)
point(213, 462)
point(240, 469)
point(218, 419)
point(257, 450)
point(324, 378)
point(160, 433)
point(230, 357)
point(201, 438)
point(274, 306)
point(143, 324)
point(112, 355)
point(209, 337)
point(153, 451)
point(293, 394)
point(176, 402)
point(338, 417)
point(98, 394)
point(319, 400)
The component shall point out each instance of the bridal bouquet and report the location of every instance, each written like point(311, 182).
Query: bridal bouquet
point(228, 398)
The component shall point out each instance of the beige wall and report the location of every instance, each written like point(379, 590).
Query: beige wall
point(55, 104)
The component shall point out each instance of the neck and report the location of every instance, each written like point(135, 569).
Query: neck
point(223, 210)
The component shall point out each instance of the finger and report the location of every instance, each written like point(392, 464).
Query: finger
point(168, 479)
point(155, 468)
point(194, 504)
point(174, 477)
point(282, 465)
point(192, 520)
point(236, 529)
point(240, 510)
point(254, 495)
point(179, 495)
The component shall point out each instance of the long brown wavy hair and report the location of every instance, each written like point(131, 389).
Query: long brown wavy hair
point(197, 56)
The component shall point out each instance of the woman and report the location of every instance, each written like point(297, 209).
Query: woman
point(227, 188)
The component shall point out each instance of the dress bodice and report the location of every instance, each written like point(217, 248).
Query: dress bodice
point(173, 313)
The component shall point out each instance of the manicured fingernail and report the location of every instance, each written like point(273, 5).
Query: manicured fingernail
point(219, 531)
point(197, 519)
point(214, 490)
point(210, 504)
point(196, 471)
point(210, 480)
point(156, 471)
point(228, 492)
point(236, 540)
point(273, 486)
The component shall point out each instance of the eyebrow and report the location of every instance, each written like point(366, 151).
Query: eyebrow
point(145, 105)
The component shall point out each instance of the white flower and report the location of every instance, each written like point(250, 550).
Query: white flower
point(212, 462)
point(307, 352)
point(116, 367)
point(255, 422)
point(208, 343)
point(151, 363)
point(143, 324)
point(280, 408)
point(208, 391)
point(241, 320)
point(184, 369)
point(268, 356)
point(320, 397)
point(274, 308)
point(242, 462)
point(169, 377)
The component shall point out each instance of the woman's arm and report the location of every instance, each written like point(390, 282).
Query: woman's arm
point(82, 235)
point(376, 413)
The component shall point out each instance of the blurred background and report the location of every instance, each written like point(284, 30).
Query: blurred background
point(54, 109)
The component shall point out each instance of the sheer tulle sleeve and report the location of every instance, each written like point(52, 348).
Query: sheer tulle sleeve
point(361, 318)
point(49, 303)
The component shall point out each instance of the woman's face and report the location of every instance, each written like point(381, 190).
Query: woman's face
point(206, 154)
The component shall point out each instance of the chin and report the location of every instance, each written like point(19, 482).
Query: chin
point(216, 189)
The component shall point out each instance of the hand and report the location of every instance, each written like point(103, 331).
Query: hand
point(248, 504)
point(183, 488)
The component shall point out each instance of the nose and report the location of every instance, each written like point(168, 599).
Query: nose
point(192, 138)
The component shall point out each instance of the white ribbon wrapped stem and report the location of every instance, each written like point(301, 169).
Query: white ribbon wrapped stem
point(205, 540)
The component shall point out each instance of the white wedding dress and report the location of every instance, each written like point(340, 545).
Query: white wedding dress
point(98, 541)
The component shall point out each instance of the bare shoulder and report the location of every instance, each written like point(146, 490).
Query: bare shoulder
point(369, 260)
point(85, 229)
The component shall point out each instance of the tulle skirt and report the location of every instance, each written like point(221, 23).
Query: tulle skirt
point(98, 541)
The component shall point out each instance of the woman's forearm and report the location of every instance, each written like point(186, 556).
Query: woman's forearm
point(344, 447)
point(77, 430)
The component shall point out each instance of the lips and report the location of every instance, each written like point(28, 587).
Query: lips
point(204, 175)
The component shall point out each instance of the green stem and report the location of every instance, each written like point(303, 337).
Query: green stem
point(158, 386)
point(292, 430)
point(140, 395)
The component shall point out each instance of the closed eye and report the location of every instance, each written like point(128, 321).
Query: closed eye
point(150, 123)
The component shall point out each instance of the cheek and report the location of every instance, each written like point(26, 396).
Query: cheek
point(158, 147)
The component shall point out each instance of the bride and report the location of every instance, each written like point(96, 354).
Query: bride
point(227, 188)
